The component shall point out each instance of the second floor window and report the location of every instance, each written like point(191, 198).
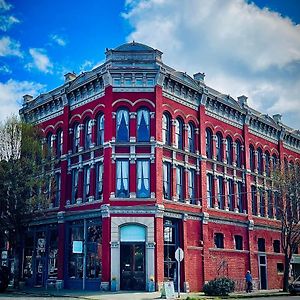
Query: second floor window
point(166, 129)
point(143, 178)
point(209, 143)
point(240, 197)
point(99, 181)
point(86, 183)
point(100, 130)
point(238, 241)
point(261, 245)
point(122, 125)
point(122, 178)
point(209, 185)
point(219, 240)
point(220, 193)
point(254, 200)
point(76, 138)
point(88, 134)
point(270, 204)
point(74, 186)
point(191, 137)
point(59, 143)
point(262, 203)
point(143, 125)
point(178, 134)
point(167, 180)
point(230, 190)
point(179, 183)
point(192, 188)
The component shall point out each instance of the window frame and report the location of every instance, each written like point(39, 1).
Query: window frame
point(147, 192)
point(119, 133)
point(119, 193)
point(141, 136)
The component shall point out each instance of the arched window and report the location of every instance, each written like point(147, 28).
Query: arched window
point(238, 154)
point(88, 133)
point(178, 133)
point(251, 152)
point(122, 125)
point(219, 147)
point(209, 143)
point(100, 129)
point(166, 129)
point(191, 137)
point(229, 150)
point(274, 162)
point(143, 125)
point(59, 143)
point(268, 162)
point(49, 144)
point(259, 161)
point(76, 137)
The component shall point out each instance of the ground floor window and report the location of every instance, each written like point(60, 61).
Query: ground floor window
point(171, 243)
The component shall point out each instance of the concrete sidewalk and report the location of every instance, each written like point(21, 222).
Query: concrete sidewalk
point(97, 295)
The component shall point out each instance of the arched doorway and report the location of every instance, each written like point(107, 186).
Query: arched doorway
point(132, 257)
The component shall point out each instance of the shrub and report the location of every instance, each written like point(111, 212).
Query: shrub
point(219, 287)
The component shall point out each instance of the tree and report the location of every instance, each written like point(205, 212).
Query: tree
point(21, 182)
point(287, 186)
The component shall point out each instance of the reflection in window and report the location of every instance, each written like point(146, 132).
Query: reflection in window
point(76, 138)
point(74, 185)
point(143, 125)
point(167, 180)
point(100, 130)
point(178, 134)
point(143, 178)
point(166, 129)
point(209, 143)
point(122, 178)
point(122, 125)
point(86, 182)
point(99, 181)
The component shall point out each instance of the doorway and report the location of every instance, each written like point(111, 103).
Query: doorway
point(132, 266)
point(263, 272)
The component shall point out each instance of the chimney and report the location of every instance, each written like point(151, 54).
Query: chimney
point(27, 98)
point(242, 100)
point(69, 77)
point(199, 77)
point(277, 118)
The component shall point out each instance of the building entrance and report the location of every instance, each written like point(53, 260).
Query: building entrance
point(132, 266)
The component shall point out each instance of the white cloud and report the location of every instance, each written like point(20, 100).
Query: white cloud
point(243, 49)
point(7, 21)
point(58, 40)
point(87, 64)
point(10, 47)
point(40, 60)
point(11, 95)
point(5, 6)
point(5, 69)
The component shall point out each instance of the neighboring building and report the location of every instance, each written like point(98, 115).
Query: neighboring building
point(149, 159)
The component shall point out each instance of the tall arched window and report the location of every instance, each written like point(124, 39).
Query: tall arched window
point(100, 129)
point(259, 161)
point(191, 137)
point(219, 147)
point(88, 133)
point(59, 143)
point(229, 150)
point(274, 162)
point(178, 133)
point(76, 137)
point(49, 144)
point(122, 125)
point(238, 154)
point(268, 160)
point(209, 143)
point(252, 163)
point(143, 125)
point(166, 129)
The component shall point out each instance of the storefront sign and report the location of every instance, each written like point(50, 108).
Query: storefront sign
point(77, 246)
point(168, 291)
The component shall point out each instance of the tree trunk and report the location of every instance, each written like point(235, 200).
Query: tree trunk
point(286, 272)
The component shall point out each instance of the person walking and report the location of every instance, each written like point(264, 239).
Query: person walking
point(248, 278)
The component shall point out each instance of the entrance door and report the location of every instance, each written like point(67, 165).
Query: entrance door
point(263, 272)
point(132, 266)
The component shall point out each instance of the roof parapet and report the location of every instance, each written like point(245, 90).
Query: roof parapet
point(277, 118)
point(69, 76)
point(199, 77)
point(27, 98)
point(242, 100)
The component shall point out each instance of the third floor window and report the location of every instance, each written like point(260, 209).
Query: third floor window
point(122, 125)
point(143, 125)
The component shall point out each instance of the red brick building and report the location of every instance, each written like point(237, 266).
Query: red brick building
point(148, 159)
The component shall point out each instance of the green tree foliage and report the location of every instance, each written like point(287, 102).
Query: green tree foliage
point(21, 183)
point(286, 181)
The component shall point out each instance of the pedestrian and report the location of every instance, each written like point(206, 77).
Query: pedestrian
point(248, 278)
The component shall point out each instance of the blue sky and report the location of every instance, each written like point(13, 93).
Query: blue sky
point(244, 47)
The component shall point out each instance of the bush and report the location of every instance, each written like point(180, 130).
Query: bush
point(219, 287)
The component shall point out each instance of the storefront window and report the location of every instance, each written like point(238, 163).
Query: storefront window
point(28, 254)
point(53, 249)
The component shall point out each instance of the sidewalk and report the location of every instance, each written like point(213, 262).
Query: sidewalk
point(97, 295)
